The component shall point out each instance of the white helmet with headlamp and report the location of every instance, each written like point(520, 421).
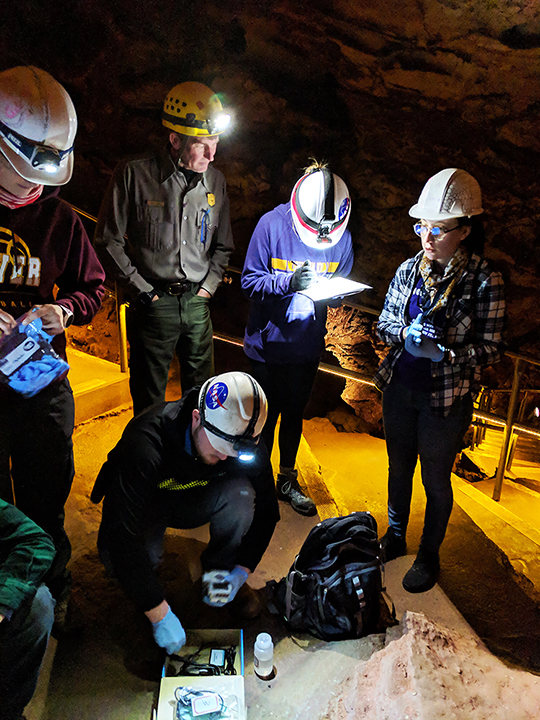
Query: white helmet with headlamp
point(451, 193)
point(320, 206)
point(233, 411)
point(38, 124)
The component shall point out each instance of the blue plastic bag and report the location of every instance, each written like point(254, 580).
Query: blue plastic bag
point(28, 362)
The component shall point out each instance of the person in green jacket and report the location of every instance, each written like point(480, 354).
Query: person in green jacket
point(26, 608)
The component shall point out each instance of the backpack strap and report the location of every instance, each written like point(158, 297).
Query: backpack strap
point(288, 592)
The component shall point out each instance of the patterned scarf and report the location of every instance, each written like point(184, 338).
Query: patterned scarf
point(439, 287)
point(13, 202)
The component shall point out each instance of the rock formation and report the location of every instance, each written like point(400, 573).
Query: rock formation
point(427, 672)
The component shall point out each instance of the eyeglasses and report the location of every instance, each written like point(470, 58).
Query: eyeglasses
point(39, 156)
point(436, 231)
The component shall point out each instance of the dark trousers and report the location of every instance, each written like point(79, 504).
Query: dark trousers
point(413, 430)
point(170, 325)
point(226, 503)
point(36, 438)
point(287, 389)
point(23, 641)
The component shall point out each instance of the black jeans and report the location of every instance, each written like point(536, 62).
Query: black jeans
point(36, 436)
point(413, 430)
point(287, 389)
point(23, 641)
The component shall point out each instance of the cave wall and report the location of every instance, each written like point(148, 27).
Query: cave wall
point(387, 92)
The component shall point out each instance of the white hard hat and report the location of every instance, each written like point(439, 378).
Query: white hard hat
point(320, 206)
point(38, 124)
point(451, 193)
point(233, 411)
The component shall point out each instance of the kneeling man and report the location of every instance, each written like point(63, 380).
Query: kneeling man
point(183, 464)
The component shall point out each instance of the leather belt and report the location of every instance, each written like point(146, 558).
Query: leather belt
point(172, 288)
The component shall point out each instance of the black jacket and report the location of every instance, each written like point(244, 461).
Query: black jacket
point(151, 466)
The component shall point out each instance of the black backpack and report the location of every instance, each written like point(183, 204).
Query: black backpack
point(333, 589)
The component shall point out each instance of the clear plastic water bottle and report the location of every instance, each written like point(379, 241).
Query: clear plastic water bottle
point(263, 656)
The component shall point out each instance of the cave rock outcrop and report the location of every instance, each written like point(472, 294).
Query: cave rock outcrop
point(428, 672)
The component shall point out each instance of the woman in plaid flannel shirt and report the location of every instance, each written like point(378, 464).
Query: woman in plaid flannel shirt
point(443, 319)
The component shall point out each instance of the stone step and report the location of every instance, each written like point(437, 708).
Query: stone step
point(98, 385)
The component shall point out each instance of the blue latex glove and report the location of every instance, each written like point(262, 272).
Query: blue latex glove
point(169, 633)
point(303, 277)
point(220, 586)
point(414, 331)
point(421, 346)
point(237, 577)
point(300, 308)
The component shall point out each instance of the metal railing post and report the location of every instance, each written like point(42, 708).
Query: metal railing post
point(122, 332)
point(508, 430)
point(515, 436)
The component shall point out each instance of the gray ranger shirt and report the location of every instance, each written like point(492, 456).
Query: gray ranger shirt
point(154, 225)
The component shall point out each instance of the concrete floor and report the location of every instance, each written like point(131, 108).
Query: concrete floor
point(112, 668)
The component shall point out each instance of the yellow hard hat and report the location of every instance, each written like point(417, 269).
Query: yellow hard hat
point(194, 109)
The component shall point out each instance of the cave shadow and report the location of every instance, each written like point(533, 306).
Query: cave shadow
point(479, 580)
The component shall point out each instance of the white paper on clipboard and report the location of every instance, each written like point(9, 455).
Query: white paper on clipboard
point(327, 288)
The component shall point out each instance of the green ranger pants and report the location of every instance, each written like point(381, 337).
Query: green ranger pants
point(172, 324)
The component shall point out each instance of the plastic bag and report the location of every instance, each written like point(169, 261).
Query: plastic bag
point(28, 362)
point(216, 703)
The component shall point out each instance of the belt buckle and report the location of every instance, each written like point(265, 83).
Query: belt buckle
point(176, 288)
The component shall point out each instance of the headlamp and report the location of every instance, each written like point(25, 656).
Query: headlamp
point(245, 449)
point(41, 157)
point(218, 123)
point(213, 125)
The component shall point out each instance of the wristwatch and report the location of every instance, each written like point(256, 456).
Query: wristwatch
point(68, 315)
point(449, 355)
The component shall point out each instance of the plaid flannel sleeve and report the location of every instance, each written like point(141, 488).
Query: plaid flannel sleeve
point(482, 346)
point(485, 344)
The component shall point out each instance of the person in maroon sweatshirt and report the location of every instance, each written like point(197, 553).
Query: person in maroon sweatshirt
point(47, 267)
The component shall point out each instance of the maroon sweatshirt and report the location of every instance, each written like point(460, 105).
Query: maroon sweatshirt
point(44, 245)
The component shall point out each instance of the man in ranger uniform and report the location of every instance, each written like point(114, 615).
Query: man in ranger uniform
point(164, 234)
point(47, 266)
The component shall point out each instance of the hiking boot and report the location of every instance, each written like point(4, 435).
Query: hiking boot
point(288, 489)
point(424, 572)
point(392, 545)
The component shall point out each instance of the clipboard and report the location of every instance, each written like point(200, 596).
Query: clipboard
point(328, 288)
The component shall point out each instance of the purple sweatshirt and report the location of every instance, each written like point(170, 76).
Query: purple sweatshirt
point(44, 245)
point(284, 327)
